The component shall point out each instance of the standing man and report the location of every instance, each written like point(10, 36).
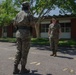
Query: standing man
point(53, 32)
point(23, 22)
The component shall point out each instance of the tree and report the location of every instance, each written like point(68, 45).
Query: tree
point(43, 7)
point(7, 13)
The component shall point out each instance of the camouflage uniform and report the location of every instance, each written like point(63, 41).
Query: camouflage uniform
point(23, 36)
point(54, 37)
point(23, 21)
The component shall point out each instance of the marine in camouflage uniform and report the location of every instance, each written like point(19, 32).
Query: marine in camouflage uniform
point(23, 21)
point(54, 31)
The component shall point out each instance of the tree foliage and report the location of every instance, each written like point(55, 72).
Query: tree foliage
point(43, 7)
point(7, 12)
point(39, 8)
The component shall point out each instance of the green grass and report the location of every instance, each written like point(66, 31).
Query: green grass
point(40, 41)
point(43, 41)
point(8, 39)
point(67, 42)
point(62, 42)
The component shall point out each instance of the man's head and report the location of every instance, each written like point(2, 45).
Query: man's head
point(25, 5)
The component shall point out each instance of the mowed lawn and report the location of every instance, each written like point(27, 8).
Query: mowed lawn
point(43, 41)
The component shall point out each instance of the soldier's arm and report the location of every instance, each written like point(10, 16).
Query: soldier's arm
point(49, 31)
point(32, 22)
point(59, 29)
point(15, 23)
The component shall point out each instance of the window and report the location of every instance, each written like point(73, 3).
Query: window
point(14, 29)
point(65, 27)
point(44, 27)
point(5, 29)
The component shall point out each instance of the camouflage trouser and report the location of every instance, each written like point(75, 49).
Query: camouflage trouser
point(54, 44)
point(23, 46)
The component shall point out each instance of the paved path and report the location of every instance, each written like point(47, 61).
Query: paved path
point(39, 60)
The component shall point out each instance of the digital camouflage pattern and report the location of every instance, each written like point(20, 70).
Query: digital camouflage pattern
point(22, 51)
point(54, 36)
point(25, 19)
point(54, 29)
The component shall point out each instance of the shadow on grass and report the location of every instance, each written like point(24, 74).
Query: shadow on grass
point(42, 45)
point(8, 41)
point(4, 41)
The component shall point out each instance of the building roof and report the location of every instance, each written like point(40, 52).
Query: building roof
point(60, 16)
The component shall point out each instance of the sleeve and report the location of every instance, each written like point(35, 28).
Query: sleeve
point(59, 26)
point(49, 27)
point(15, 21)
point(31, 20)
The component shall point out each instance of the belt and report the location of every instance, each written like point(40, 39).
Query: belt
point(24, 27)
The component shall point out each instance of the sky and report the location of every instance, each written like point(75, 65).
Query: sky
point(1, 0)
point(52, 12)
point(56, 12)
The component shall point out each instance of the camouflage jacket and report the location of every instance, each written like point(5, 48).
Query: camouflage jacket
point(54, 30)
point(23, 18)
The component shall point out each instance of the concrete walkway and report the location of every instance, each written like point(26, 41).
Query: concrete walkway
point(39, 60)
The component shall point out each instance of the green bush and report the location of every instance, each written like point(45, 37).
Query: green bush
point(43, 41)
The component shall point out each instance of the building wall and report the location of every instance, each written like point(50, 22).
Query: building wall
point(73, 28)
point(10, 31)
point(33, 32)
point(65, 28)
point(0, 31)
point(46, 22)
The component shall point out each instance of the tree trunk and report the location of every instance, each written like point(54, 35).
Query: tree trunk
point(37, 30)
